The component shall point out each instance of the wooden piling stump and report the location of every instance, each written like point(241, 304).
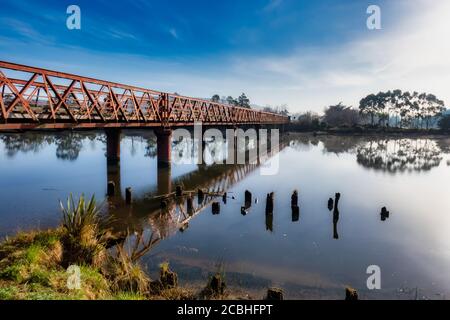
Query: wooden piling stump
point(294, 198)
point(248, 198)
point(178, 191)
point(128, 195)
point(200, 196)
point(330, 204)
point(190, 205)
point(351, 294)
point(269, 203)
point(111, 190)
point(274, 294)
point(215, 207)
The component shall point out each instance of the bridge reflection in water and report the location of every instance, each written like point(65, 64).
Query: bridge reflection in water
point(158, 213)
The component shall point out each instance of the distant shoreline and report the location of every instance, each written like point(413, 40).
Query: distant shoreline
point(388, 132)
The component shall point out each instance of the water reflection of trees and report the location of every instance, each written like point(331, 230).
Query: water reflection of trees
point(390, 155)
point(331, 144)
point(68, 144)
point(400, 155)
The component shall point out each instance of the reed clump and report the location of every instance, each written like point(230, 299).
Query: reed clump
point(36, 264)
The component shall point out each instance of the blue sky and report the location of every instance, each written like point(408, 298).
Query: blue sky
point(305, 54)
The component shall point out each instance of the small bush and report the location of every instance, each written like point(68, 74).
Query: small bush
point(84, 241)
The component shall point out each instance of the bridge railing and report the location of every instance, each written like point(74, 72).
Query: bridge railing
point(41, 96)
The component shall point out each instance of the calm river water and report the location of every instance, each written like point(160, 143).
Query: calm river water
point(314, 255)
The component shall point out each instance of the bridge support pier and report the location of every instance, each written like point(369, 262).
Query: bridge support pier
point(113, 158)
point(112, 146)
point(164, 180)
point(163, 147)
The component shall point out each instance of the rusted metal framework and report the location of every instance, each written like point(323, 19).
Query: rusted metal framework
point(39, 98)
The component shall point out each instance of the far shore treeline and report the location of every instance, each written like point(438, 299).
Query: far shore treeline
point(391, 109)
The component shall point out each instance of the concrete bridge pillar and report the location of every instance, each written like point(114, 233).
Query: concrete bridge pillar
point(164, 146)
point(112, 146)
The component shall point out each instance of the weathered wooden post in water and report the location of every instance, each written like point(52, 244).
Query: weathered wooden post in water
point(200, 196)
point(269, 203)
point(190, 206)
point(294, 206)
point(384, 214)
point(337, 196)
point(295, 213)
point(330, 204)
point(336, 215)
point(294, 198)
point(178, 191)
point(128, 195)
point(248, 199)
point(215, 208)
point(274, 294)
point(351, 294)
point(111, 190)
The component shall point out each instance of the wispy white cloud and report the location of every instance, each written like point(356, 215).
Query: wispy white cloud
point(25, 30)
point(173, 32)
point(272, 5)
point(413, 55)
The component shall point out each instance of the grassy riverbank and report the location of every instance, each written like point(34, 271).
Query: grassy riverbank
point(37, 265)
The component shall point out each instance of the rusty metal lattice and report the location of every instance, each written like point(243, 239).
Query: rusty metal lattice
point(40, 98)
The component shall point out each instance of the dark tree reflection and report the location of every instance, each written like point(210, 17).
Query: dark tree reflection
point(389, 154)
point(26, 142)
point(68, 144)
point(401, 155)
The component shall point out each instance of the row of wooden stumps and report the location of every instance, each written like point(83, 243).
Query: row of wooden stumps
point(111, 192)
point(277, 294)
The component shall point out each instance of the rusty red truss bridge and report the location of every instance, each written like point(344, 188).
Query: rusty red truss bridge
point(34, 98)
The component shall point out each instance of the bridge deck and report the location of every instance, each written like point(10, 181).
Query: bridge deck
point(39, 98)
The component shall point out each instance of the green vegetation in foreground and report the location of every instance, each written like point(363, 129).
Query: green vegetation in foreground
point(33, 265)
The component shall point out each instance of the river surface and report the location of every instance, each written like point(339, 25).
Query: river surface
point(312, 255)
